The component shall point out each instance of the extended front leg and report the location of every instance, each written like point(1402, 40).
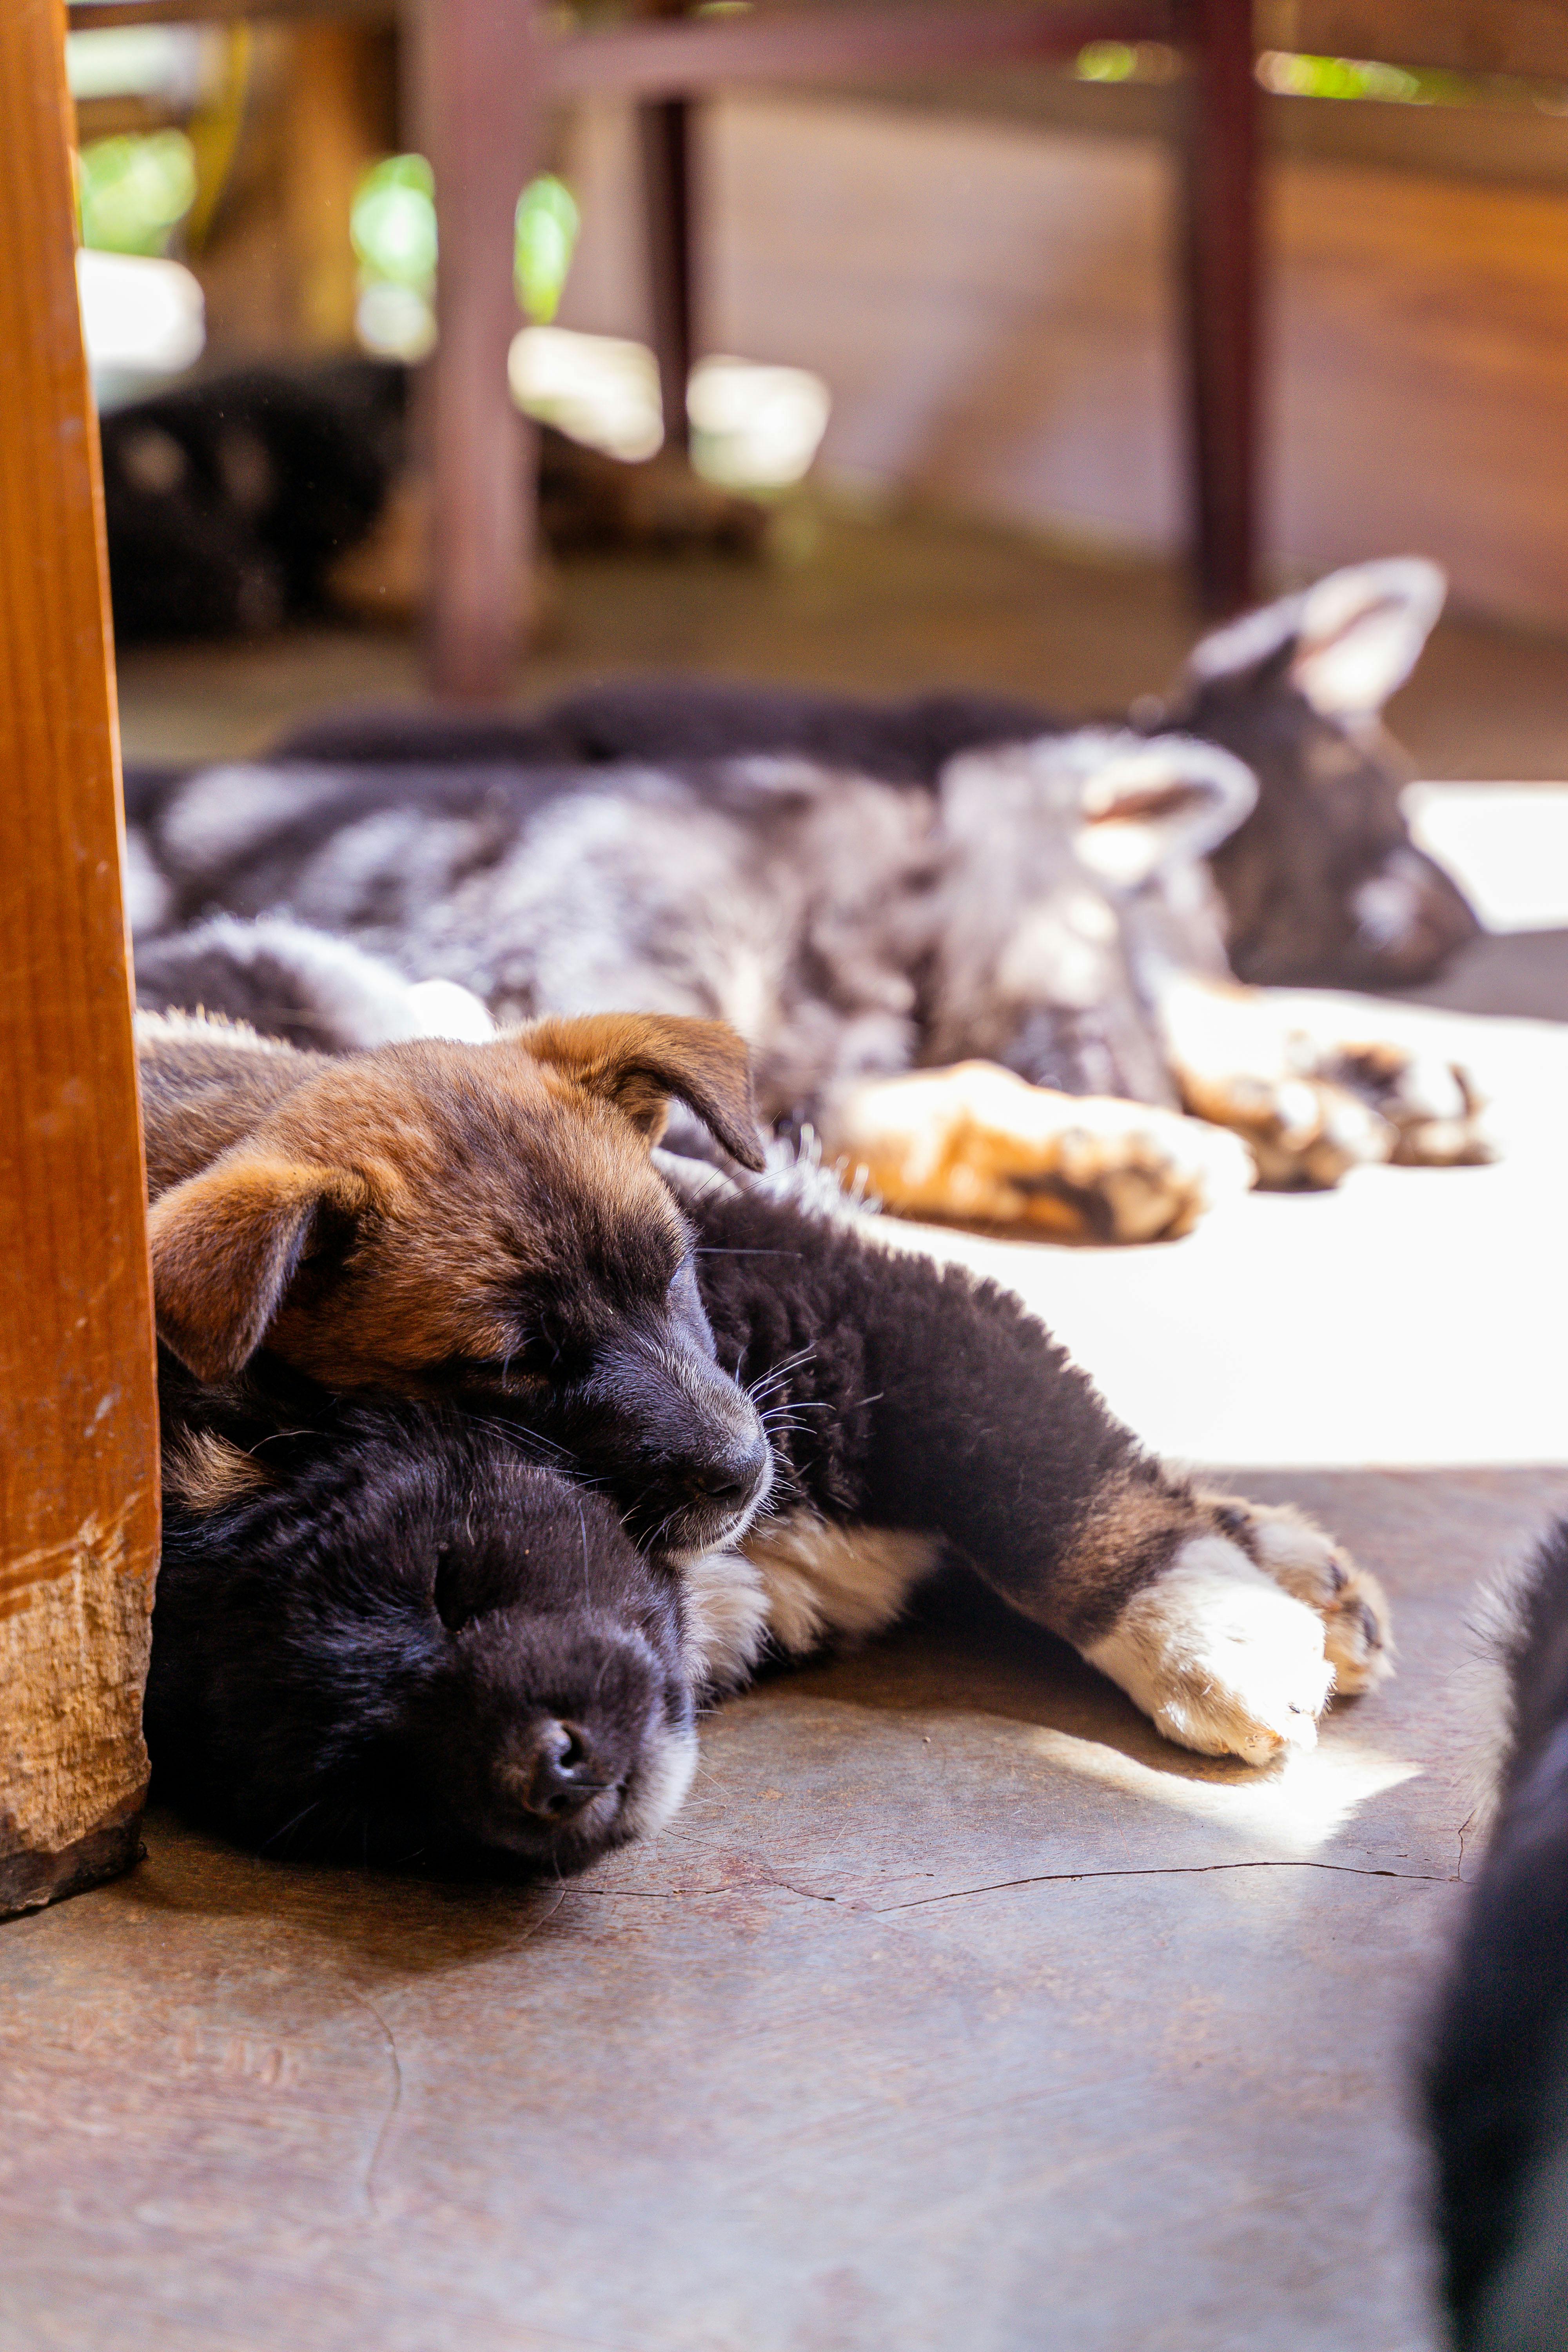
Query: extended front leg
point(1311, 1098)
point(975, 1144)
point(915, 1409)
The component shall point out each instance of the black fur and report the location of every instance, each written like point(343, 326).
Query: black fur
point(226, 499)
point(1496, 2080)
point(357, 1657)
point(360, 1657)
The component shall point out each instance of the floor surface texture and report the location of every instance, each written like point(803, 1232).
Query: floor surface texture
point(957, 2012)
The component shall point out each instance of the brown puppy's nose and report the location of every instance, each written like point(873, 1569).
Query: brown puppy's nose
point(566, 1775)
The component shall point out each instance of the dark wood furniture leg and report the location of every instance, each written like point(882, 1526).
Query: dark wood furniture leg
point(664, 129)
point(481, 102)
point(1221, 281)
point(79, 1478)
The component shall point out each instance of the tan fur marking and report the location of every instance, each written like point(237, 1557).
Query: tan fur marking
point(207, 1471)
point(374, 1216)
point(823, 1582)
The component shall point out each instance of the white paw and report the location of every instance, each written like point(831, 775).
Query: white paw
point(1220, 1656)
point(1299, 1555)
point(443, 1008)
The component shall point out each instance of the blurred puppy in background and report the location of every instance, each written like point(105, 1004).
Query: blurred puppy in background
point(993, 977)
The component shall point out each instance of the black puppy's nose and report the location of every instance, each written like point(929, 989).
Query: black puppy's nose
point(566, 1774)
point(731, 1478)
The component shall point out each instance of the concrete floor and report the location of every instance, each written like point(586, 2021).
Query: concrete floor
point(956, 2010)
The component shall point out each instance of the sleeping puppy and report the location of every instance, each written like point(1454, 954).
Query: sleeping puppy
point(983, 957)
point(382, 1629)
point(436, 1218)
point(1497, 2077)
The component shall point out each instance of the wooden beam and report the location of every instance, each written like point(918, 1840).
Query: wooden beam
point(1220, 229)
point(676, 59)
point(665, 127)
point(481, 95)
point(78, 1498)
point(673, 60)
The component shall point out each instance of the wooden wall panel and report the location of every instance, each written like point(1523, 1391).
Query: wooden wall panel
point(993, 309)
point(77, 1416)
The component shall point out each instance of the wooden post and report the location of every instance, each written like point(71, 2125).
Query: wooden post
point(78, 1500)
point(664, 132)
point(480, 93)
point(1221, 209)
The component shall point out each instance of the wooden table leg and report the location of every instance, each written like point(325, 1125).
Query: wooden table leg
point(79, 1496)
point(1222, 288)
point(480, 100)
point(665, 132)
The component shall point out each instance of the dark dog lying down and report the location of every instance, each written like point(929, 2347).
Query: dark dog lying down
point(386, 1630)
point(1321, 882)
point(994, 986)
point(239, 500)
point(1497, 2084)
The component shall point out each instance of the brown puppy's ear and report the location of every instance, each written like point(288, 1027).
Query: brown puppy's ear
point(227, 1244)
point(638, 1060)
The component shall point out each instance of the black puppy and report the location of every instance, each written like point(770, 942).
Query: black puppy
point(1497, 2080)
point(384, 1630)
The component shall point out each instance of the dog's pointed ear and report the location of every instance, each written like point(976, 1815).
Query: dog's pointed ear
point(1149, 801)
point(1345, 644)
point(227, 1244)
point(1362, 632)
point(638, 1060)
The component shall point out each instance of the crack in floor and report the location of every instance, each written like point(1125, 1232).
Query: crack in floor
point(1179, 1870)
point(1041, 1878)
point(394, 2103)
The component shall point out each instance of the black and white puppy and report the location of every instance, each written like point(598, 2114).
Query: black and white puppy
point(1497, 2078)
point(384, 1630)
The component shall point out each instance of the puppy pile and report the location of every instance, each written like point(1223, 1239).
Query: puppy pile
point(990, 959)
point(494, 1440)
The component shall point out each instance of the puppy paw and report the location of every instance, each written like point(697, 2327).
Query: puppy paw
point(1432, 1105)
point(1305, 1133)
point(1358, 1638)
point(976, 1144)
point(1220, 1656)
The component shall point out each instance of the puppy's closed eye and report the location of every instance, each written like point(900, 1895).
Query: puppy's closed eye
point(467, 1586)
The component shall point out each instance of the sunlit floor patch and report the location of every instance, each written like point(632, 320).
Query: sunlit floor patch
point(1295, 1809)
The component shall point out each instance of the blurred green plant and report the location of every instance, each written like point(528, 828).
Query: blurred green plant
point(392, 222)
point(1291, 74)
point(1107, 61)
point(134, 191)
point(547, 224)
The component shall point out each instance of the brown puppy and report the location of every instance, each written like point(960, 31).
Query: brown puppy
point(434, 1217)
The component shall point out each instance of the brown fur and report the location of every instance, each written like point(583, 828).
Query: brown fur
point(381, 1218)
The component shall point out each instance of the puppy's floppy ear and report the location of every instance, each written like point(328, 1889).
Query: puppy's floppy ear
point(226, 1244)
point(638, 1060)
